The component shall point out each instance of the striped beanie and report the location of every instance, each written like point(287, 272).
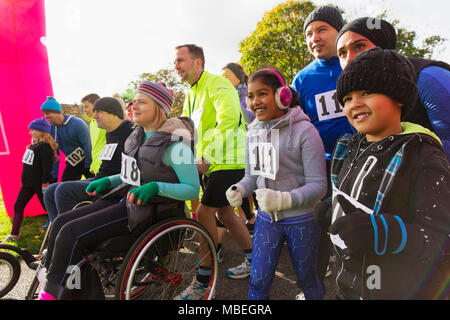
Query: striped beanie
point(51, 105)
point(158, 92)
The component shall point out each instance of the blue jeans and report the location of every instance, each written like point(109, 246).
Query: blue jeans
point(302, 241)
point(62, 197)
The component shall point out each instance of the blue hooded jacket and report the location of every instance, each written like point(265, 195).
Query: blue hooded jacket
point(316, 88)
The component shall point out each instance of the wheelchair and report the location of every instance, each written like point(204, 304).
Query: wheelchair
point(157, 264)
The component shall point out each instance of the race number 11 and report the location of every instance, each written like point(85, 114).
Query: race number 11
point(328, 106)
point(263, 160)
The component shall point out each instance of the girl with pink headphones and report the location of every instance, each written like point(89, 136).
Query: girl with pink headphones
point(286, 170)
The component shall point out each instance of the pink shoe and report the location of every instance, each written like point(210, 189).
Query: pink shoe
point(45, 296)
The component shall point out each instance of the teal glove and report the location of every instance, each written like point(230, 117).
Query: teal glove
point(98, 186)
point(143, 193)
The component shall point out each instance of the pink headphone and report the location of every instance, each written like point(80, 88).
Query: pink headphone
point(283, 95)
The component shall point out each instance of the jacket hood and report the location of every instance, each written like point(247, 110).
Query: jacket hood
point(293, 115)
point(179, 126)
point(409, 128)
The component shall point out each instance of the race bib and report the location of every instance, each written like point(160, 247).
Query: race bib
point(28, 157)
point(263, 158)
point(328, 106)
point(129, 172)
point(75, 157)
point(108, 151)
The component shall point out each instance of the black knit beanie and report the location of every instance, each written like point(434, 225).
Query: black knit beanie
point(381, 71)
point(380, 32)
point(330, 15)
point(110, 105)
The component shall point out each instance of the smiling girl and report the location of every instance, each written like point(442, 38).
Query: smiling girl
point(286, 169)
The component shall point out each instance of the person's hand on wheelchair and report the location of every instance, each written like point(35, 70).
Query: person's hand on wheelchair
point(142, 194)
point(98, 186)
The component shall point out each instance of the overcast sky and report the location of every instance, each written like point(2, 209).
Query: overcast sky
point(102, 45)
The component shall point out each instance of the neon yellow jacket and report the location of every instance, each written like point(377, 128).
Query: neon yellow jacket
point(98, 140)
point(213, 104)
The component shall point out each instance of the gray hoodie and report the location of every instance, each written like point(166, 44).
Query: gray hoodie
point(299, 164)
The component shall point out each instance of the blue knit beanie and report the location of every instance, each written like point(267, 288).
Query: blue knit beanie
point(40, 125)
point(51, 105)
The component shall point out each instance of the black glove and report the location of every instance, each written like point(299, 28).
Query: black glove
point(365, 233)
point(322, 214)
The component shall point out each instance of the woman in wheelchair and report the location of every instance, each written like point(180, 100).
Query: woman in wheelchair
point(158, 173)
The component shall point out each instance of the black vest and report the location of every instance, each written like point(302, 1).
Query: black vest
point(149, 156)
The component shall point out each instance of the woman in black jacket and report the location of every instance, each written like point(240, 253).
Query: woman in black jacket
point(36, 173)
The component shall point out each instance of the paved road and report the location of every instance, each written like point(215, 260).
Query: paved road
point(284, 286)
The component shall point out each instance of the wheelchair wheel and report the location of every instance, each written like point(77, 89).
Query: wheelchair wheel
point(9, 272)
point(33, 291)
point(164, 260)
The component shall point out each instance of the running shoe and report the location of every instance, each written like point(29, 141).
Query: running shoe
point(241, 271)
point(195, 291)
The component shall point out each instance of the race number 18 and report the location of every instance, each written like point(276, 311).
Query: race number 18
point(129, 172)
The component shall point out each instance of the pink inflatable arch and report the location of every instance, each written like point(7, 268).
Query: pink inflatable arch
point(24, 84)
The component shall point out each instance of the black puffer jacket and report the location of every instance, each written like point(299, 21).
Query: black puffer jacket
point(420, 195)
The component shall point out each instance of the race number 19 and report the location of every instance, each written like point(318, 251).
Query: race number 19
point(129, 172)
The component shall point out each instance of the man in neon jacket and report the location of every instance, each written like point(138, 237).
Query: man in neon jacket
point(213, 104)
point(98, 136)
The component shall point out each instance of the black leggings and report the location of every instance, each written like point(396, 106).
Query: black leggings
point(74, 232)
point(25, 195)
